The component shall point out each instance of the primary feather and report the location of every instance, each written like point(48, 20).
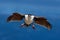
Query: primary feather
point(42, 21)
point(15, 16)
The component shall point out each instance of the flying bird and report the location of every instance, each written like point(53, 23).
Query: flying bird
point(29, 19)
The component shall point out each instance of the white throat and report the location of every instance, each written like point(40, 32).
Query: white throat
point(28, 19)
point(31, 17)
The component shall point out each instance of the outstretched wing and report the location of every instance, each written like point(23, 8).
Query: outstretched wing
point(15, 16)
point(42, 21)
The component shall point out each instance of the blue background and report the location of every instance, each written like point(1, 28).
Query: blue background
point(46, 8)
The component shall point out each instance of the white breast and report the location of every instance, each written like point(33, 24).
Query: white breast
point(29, 20)
point(32, 17)
point(26, 17)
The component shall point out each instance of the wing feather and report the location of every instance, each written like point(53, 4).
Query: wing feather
point(42, 21)
point(15, 16)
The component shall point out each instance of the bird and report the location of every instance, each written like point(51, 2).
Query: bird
point(29, 19)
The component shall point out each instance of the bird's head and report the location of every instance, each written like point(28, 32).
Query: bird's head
point(29, 15)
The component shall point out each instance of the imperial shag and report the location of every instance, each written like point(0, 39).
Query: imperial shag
point(29, 19)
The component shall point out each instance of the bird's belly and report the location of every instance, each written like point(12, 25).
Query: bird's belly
point(28, 21)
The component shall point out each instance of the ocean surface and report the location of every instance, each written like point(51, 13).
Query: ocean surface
point(50, 9)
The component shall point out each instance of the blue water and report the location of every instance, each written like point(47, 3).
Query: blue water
point(46, 8)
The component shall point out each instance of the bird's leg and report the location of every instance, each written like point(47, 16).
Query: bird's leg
point(33, 26)
point(23, 25)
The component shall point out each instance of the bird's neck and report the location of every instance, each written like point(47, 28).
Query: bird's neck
point(29, 17)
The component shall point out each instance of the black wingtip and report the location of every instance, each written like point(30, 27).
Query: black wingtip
point(50, 27)
point(9, 18)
